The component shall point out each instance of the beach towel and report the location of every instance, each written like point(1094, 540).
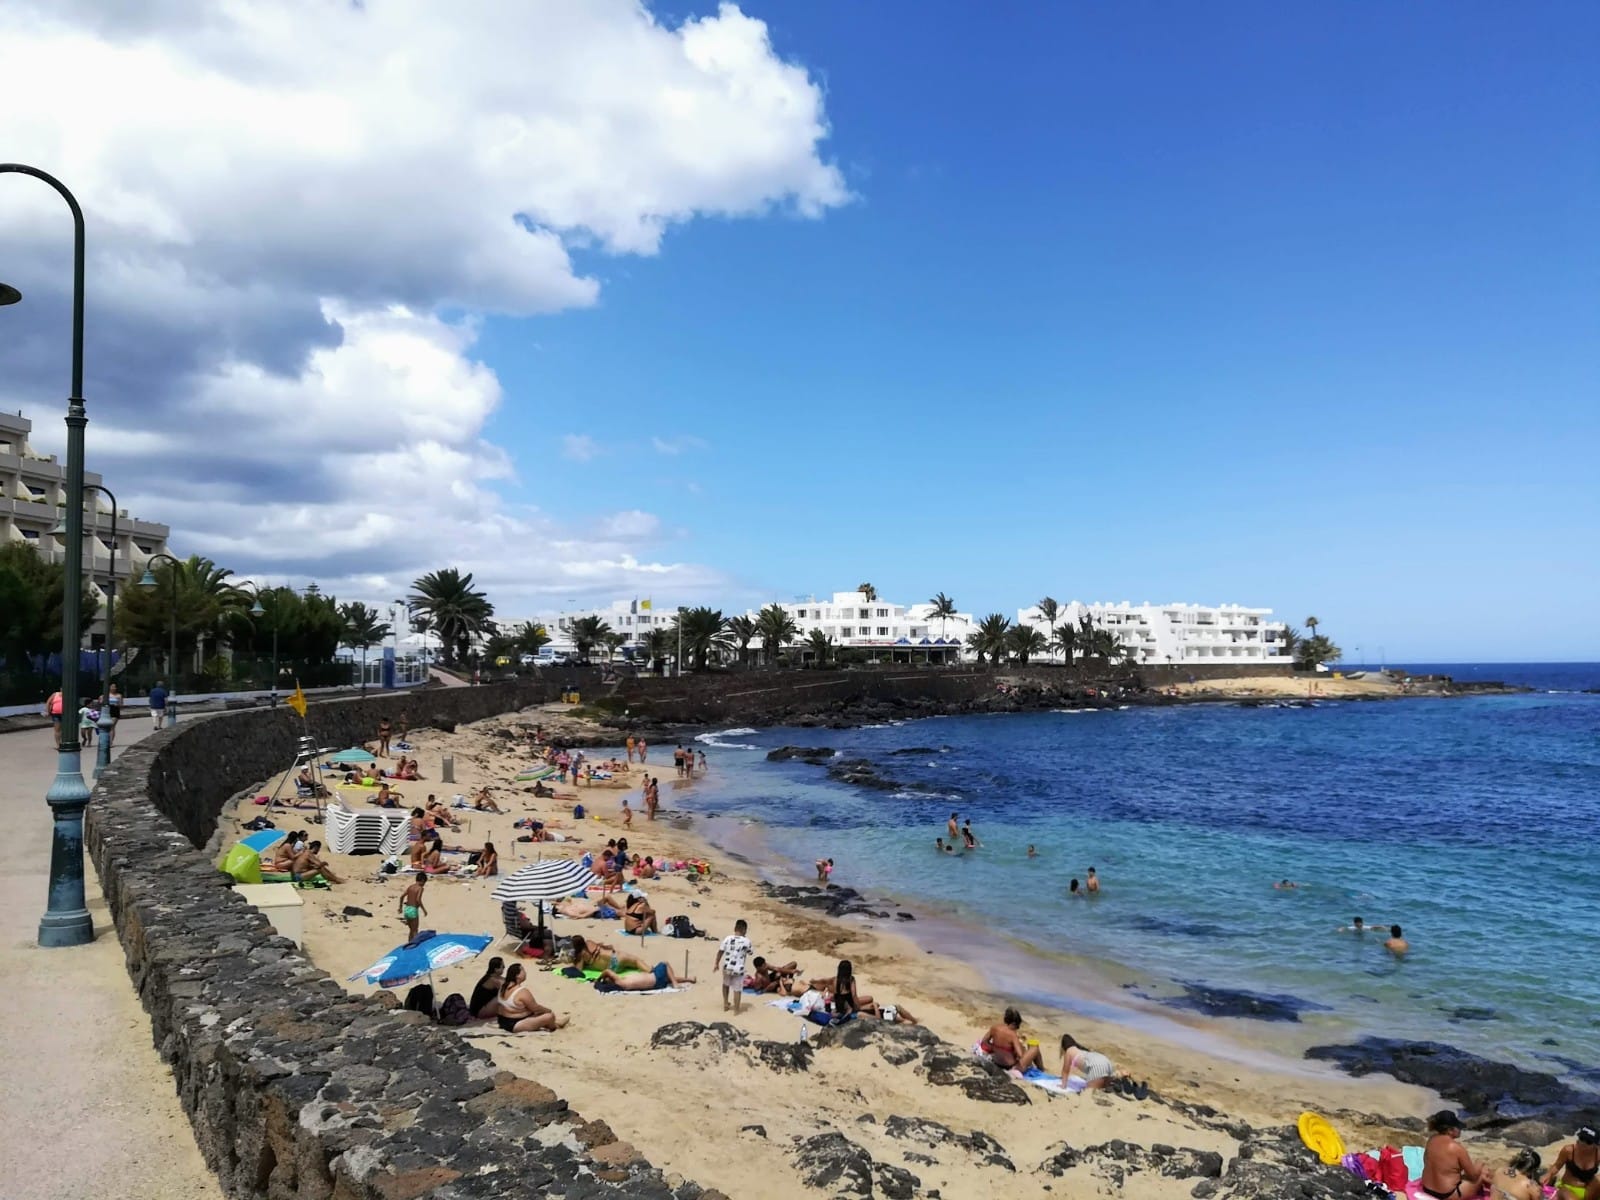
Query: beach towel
point(1052, 1083)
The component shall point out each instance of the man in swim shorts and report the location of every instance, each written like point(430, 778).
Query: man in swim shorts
point(411, 907)
point(658, 977)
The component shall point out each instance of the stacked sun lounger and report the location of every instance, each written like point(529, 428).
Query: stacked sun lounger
point(365, 832)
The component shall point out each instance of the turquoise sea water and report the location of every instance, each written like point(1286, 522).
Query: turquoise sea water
point(1470, 822)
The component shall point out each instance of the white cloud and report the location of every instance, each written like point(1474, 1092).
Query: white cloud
point(677, 445)
point(281, 200)
point(579, 447)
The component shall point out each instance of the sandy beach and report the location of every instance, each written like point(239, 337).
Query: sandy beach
point(733, 1116)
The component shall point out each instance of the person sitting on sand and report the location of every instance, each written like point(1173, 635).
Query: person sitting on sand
point(419, 826)
point(775, 979)
point(488, 861)
point(1396, 943)
point(846, 999)
point(1448, 1172)
point(486, 996)
point(540, 792)
point(386, 797)
point(639, 917)
point(1520, 1179)
point(517, 1010)
point(1095, 1069)
point(408, 769)
point(483, 802)
point(309, 863)
point(439, 814)
point(598, 956)
point(1576, 1166)
point(1005, 1046)
point(659, 976)
point(645, 869)
point(427, 855)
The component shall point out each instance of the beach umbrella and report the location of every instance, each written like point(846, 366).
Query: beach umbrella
point(534, 774)
point(263, 840)
point(353, 755)
point(408, 963)
point(549, 879)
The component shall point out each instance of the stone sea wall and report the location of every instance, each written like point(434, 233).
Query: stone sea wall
point(296, 1089)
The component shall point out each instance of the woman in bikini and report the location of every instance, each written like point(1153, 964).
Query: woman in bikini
point(1576, 1166)
point(488, 861)
point(597, 956)
point(1448, 1172)
point(846, 1000)
point(1519, 1181)
point(518, 1011)
point(639, 916)
point(1005, 1046)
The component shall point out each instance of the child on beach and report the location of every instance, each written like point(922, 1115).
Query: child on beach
point(824, 869)
point(627, 814)
point(411, 906)
point(730, 958)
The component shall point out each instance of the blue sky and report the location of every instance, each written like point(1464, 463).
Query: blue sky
point(1256, 303)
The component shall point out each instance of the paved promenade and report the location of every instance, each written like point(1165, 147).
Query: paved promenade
point(88, 1106)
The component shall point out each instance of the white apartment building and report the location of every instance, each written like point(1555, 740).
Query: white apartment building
point(33, 499)
point(1178, 633)
point(633, 619)
point(887, 632)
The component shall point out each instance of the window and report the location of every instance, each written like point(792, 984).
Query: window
point(883, 612)
point(145, 548)
point(801, 613)
point(844, 630)
point(35, 491)
point(883, 631)
point(31, 534)
point(864, 613)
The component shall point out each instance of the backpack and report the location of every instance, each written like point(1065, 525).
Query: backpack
point(420, 999)
point(454, 1010)
point(681, 927)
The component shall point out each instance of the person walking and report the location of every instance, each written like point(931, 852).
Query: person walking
point(158, 704)
point(53, 707)
point(731, 958)
point(113, 701)
point(411, 906)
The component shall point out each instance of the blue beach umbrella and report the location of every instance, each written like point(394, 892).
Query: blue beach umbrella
point(410, 962)
point(263, 840)
point(353, 755)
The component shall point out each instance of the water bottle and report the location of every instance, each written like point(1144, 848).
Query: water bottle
point(805, 1032)
point(614, 962)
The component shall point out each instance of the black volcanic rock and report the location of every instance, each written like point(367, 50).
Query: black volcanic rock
point(811, 754)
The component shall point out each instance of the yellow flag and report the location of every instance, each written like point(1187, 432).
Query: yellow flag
point(643, 605)
point(298, 701)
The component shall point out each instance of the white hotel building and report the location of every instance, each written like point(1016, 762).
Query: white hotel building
point(33, 498)
point(886, 632)
point(1160, 634)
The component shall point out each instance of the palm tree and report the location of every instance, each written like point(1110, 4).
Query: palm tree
point(777, 630)
point(702, 631)
point(1311, 624)
point(1290, 640)
point(362, 631)
point(990, 638)
point(743, 631)
point(452, 609)
point(1051, 612)
point(658, 644)
point(819, 644)
point(532, 638)
point(867, 590)
point(1066, 641)
point(1024, 641)
point(944, 608)
point(613, 641)
point(587, 633)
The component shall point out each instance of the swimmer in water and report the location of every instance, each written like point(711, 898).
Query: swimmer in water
point(1397, 944)
point(1287, 885)
point(1032, 853)
point(1092, 884)
point(1072, 889)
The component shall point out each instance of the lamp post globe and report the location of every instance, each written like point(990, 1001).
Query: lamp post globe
point(8, 295)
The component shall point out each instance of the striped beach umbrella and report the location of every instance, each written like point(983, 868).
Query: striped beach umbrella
point(549, 879)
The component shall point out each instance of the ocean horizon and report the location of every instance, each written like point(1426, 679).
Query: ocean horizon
point(1465, 820)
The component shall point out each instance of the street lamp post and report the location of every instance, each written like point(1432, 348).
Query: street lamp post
point(147, 580)
point(66, 921)
point(107, 721)
point(257, 611)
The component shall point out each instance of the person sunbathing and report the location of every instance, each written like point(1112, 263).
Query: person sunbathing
point(541, 792)
point(370, 775)
point(406, 769)
point(583, 910)
point(283, 858)
point(386, 797)
point(517, 1010)
point(598, 956)
point(646, 869)
point(485, 1000)
point(1004, 1045)
point(308, 864)
point(439, 814)
point(639, 917)
point(777, 980)
point(420, 826)
point(483, 802)
point(659, 976)
point(846, 999)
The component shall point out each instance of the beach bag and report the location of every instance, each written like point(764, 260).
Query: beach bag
point(681, 927)
point(454, 1010)
point(1391, 1170)
point(605, 985)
